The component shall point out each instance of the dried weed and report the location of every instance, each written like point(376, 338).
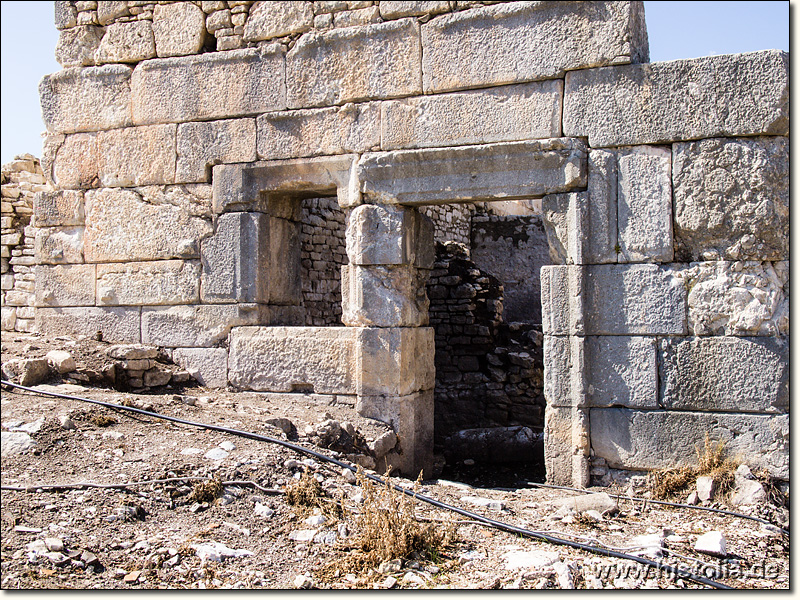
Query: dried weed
point(206, 491)
point(101, 420)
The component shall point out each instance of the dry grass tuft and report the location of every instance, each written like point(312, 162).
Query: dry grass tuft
point(307, 493)
point(101, 420)
point(711, 462)
point(206, 491)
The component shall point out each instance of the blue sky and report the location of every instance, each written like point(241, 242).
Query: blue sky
point(676, 30)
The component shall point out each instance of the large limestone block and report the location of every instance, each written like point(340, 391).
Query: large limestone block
point(136, 156)
point(354, 63)
point(127, 42)
point(284, 259)
point(71, 161)
point(559, 357)
point(510, 113)
point(558, 448)
point(563, 299)
point(622, 371)
point(90, 99)
point(110, 11)
point(644, 204)
point(59, 245)
point(65, 285)
point(725, 374)
point(109, 324)
point(389, 235)
point(411, 418)
point(153, 283)
point(320, 360)
point(76, 46)
point(236, 259)
point(66, 15)
point(268, 20)
point(395, 9)
point(632, 439)
point(737, 298)
point(59, 208)
point(564, 217)
point(473, 173)
point(203, 145)
point(634, 300)
point(215, 85)
point(129, 225)
point(206, 325)
point(179, 29)
point(601, 245)
point(192, 198)
point(209, 366)
point(732, 199)
point(273, 187)
point(395, 361)
point(729, 95)
point(384, 296)
point(526, 41)
point(335, 130)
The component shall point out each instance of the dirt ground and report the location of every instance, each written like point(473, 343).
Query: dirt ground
point(239, 530)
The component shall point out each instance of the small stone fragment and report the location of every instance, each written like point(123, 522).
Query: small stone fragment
point(61, 361)
point(712, 543)
point(705, 488)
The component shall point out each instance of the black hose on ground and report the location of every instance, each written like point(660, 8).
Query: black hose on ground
point(677, 572)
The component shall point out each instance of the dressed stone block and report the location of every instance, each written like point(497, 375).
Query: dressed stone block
point(725, 374)
point(473, 173)
point(285, 255)
point(136, 156)
point(622, 371)
point(203, 145)
point(632, 439)
point(70, 161)
point(61, 208)
point(209, 366)
point(111, 324)
point(268, 20)
point(155, 283)
point(526, 41)
point(59, 245)
point(558, 450)
point(395, 361)
point(565, 221)
point(732, 199)
point(65, 285)
point(389, 235)
point(130, 225)
point(384, 296)
point(355, 63)
point(215, 85)
point(67, 95)
point(398, 9)
point(126, 42)
point(335, 130)
point(179, 29)
point(77, 46)
point(516, 112)
point(680, 100)
point(563, 300)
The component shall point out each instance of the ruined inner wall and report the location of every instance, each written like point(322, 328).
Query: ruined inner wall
point(397, 106)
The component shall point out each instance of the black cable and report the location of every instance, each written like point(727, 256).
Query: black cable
point(665, 503)
point(680, 573)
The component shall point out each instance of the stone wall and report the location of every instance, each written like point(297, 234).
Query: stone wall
point(22, 179)
point(452, 222)
point(663, 187)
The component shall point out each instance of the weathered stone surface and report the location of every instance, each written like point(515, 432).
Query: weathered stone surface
point(60, 208)
point(601, 244)
point(562, 300)
point(384, 296)
point(725, 374)
point(271, 187)
point(132, 352)
point(236, 259)
point(335, 130)
point(136, 156)
point(88, 99)
point(15, 442)
point(179, 29)
point(66, 14)
point(129, 42)
point(153, 283)
point(729, 95)
point(111, 324)
point(108, 12)
point(207, 325)
point(60, 361)
point(525, 41)
point(209, 366)
point(215, 85)
point(76, 46)
point(631, 439)
point(284, 259)
point(397, 9)
point(517, 112)
point(389, 235)
point(622, 371)
point(61, 245)
point(192, 198)
point(203, 145)
point(634, 300)
point(564, 219)
point(65, 285)
point(354, 63)
point(268, 20)
point(130, 225)
point(411, 417)
point(737, 298)
point(644, 204)
point(74, 160)
point(565, 463)
point(472, 173)
point(322, 360)
point(559, 357)
point(395, 361)
point(732, 199)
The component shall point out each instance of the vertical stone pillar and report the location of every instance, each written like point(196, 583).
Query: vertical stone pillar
point(391, 252)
